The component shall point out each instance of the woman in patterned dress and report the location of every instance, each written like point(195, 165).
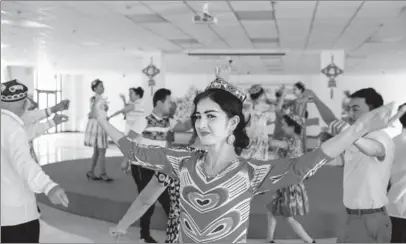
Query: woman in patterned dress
point(217, 185)
point(259, 113)
point(298, 106)
point(146, 199)
point(291, 200)
point(96, 137)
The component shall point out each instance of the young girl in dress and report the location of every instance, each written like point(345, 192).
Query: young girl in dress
point(291, 200)
point(96, 137)
point(217, 185)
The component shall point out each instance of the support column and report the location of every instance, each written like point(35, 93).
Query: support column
point(156, 59)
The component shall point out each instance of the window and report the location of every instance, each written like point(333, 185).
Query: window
point(47, 93)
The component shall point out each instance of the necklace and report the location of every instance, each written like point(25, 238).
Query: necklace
point(215, 175)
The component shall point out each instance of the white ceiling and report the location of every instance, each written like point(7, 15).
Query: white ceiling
point(111, 35)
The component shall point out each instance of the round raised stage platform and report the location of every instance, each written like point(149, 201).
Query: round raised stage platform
point(110, 201)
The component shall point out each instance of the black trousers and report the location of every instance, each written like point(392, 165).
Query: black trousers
point(142, 177)
point(398, 230)
point(22, 233)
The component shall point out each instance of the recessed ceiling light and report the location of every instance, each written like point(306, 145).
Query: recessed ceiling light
point(4, 45)
point(6, 22)
point(33, 24)
point(89, 43)
point(3, 12)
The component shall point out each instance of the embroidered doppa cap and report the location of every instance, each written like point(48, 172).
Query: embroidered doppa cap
point(13, 91)
point(220, 83)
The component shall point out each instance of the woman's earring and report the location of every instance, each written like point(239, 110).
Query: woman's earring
point(231, 139)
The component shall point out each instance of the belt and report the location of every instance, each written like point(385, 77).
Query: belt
point(364, 211)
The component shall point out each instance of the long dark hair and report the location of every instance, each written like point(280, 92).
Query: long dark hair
point(290, 122)
point(138, 91)
point(232, 106)
point(299, 85)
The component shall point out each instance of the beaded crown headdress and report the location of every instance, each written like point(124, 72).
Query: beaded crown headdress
point(221, 83)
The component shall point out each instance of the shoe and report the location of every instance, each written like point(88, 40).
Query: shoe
point(314, 241)
point(271, 241)
point(148, 239)
point(91, 176)
point(117, 232)
point(105, 177)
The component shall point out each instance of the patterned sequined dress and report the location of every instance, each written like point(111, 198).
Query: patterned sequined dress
point(257, 132)
point(291, 200)
point(217, 209)
point(299, 107)
point(95, 136)
point(173, 225)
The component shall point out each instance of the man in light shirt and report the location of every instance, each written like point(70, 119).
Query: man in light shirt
point(397, 192)
point(367, 167)
point(21, 177)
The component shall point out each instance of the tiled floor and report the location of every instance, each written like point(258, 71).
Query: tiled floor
point(61, 227)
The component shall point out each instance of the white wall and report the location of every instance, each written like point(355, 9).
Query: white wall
point(26, 75)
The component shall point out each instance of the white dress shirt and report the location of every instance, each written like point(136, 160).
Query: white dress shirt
point(32, 123)
point(21, 177)
point(397, 193)
point(366, 178)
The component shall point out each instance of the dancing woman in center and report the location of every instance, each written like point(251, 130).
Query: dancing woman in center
point(217, 185)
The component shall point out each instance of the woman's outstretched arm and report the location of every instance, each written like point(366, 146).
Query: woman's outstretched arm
point(125, 110)
point(145, 199)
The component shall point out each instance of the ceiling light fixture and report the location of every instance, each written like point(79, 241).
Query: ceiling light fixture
point(90, 43)
point(237, 52)
point(25, 23)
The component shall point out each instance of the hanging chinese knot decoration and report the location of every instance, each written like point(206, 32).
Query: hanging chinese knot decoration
point(332, 71)
point(151, 71)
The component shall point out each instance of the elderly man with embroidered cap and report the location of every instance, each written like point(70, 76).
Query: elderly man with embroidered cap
point(21, 177)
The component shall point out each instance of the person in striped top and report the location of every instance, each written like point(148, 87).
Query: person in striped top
point(157, 126)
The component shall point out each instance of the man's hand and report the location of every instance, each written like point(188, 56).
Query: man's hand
point(376, 119)
point(63, 105)
point(60, 118)
point(58, 196)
